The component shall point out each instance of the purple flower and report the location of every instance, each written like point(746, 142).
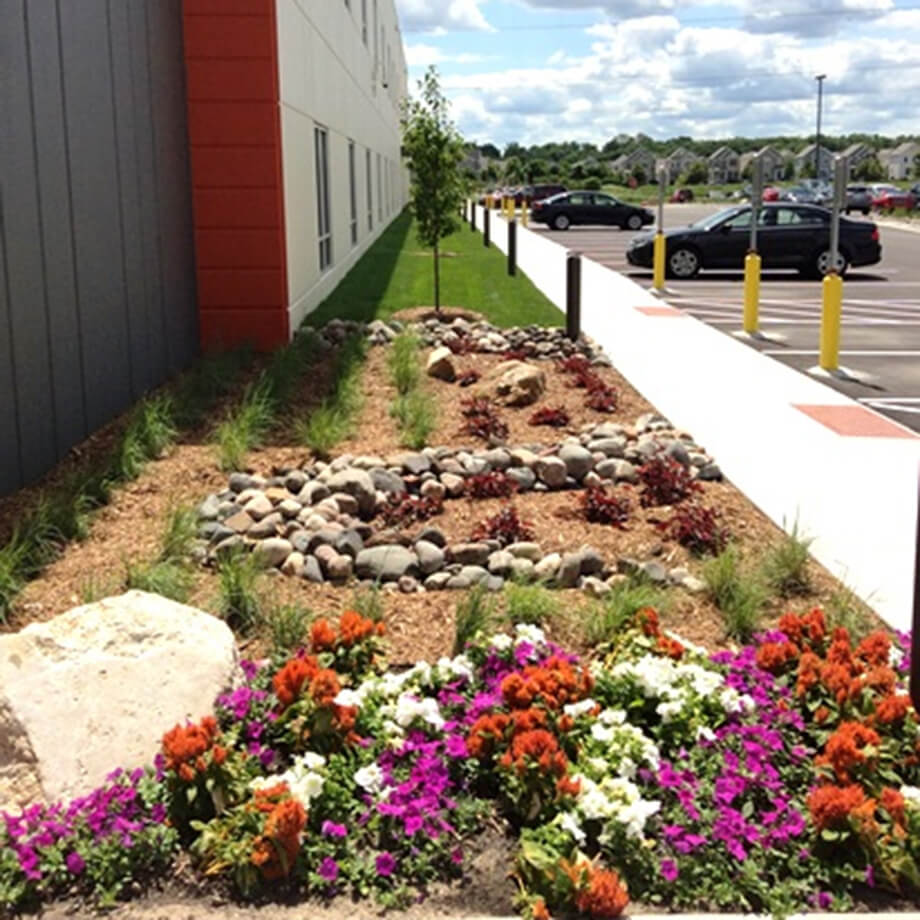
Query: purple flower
point(330, 829)
point(457, 857)
point(386, 864)
point(329, 869)
point(870, 876)
point(824, 900)
point(669, 869)
point(75, 863)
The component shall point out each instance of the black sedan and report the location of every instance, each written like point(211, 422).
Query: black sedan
point(574, 208)
point(788, 236)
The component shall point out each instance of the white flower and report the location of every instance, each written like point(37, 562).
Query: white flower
point(911, 796)
point(370, 778)
point(704, 733)
point(528, 632)
point(313, 761)
point(303, 779)
point(613, 717)
point(601, 733)
point(569, 823)
point(669, 709)
point(579, 709)
point(409, 708)
point(500, 641)
point(347, 697)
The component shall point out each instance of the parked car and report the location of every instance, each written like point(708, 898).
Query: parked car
point(915, 191)
point(859, 198)
point(681, 195)
point(789, 236)
point(801, 194)
point(887, 198)
point(577, 208)
point(771, 193)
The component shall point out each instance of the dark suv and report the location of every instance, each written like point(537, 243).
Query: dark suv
point(532, 193)
point(859, 198)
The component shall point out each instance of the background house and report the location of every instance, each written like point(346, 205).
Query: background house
point(678, 162)
point(639, 157)
point(724, 166)
point(206, 181)
point(899, 162)
point(857, 154)
point(805, 161)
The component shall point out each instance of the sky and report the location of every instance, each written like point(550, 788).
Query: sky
point(535, 71)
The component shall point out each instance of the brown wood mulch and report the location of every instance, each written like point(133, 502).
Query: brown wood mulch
point(419, 625)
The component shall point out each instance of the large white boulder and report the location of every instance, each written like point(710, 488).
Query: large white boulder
point(95, 688)
point(517, 383)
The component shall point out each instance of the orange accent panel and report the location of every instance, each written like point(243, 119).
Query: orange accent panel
point(264, 329)
point(228, 7)
point(229, 208)
point(231, 60)
point(226, 288)
point(226, 37)
point(235, 81)
point(231, 124)
point(235, 167)
point(855, 422)
point(225, 248)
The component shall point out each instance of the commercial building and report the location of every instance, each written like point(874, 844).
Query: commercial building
point(177, 174)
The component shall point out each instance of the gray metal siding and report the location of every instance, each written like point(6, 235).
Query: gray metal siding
point(97, 275)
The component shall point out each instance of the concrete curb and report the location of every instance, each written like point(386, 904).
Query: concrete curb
point(906, 226)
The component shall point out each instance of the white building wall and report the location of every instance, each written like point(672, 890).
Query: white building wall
point(330, 78)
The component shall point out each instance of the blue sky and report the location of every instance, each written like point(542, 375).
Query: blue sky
point(550, 70)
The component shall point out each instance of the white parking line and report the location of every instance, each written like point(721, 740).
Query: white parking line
point(906, 404)
point(852, 354)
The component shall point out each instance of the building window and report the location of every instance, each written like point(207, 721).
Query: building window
point(379, 191)
point(353, 191)
point(370, 191)
point(364, 21)
point(324, 224)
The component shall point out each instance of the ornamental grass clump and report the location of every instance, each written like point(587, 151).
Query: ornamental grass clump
point(785, 565)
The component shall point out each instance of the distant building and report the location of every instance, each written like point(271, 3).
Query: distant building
point(857, 154)
point(640, 157)
point(806, 157)
point(679, 161)
point(724, 166)
point(774, 163)
point(898, 161)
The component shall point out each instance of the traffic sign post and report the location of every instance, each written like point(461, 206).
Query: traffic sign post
point(752, 260)
point(832, 285)
point(659, 250)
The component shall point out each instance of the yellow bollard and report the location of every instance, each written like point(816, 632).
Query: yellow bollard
point(832, 296)
point(525, 214)
point(751, 293)
point(658, 263)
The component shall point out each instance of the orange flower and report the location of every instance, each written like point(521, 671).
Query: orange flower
point(822, 714)
point(892, 709)
point(844, 749)
point(670, 647)
point(541, 747)
point(836, 678)
point(882, 679)
point(322, 636)
point(539, 910)
point(874, 649)
point(553, 684)
point(831, 806)
point(354, 628)
point(289, 681)
point(485, 732)
point(809, 673)
point(566, 786)
point(185, 745)
point(648, 621)
point(276, 850)
point(893, 802)
point(807, 628)
point(774, 656)
point(605, 897)
point(325, 687)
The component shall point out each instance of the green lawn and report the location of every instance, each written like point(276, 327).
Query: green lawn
point(396, 273)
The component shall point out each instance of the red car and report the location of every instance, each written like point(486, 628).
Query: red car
point(887, 199)
point(771, 193)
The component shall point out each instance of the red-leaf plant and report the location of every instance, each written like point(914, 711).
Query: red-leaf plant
point(665, 482)
point(506, 527)
point(482, 421)
point(403, 509)
point(697, 528)
point(598, 506)
point(555, 418)
point(491, 485)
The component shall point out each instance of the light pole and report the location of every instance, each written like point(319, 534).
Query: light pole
point(820, 78)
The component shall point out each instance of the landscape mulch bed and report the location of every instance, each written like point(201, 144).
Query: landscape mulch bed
point(419, 625)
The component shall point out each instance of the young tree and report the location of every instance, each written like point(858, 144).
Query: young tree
point(433, 150)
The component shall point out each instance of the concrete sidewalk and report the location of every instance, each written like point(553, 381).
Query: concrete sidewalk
point(802, 452)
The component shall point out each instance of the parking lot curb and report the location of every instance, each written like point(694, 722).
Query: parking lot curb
point(904, 225)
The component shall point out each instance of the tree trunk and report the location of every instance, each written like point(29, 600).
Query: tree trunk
point(437, 281)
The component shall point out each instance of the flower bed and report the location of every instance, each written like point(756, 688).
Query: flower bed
point(776, 777)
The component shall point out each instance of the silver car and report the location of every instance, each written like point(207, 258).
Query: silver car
point(859, 198)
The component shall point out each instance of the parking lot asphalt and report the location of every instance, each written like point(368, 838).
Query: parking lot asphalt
point(880, 334)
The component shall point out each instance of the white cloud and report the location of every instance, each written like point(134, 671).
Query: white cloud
point(422, 56)
point(440, 16)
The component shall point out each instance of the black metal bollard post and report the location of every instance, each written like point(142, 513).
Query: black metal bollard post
point(512, 247)
point(915, 626)
point(473, 216)
point(486, 227)
point(573, 295)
